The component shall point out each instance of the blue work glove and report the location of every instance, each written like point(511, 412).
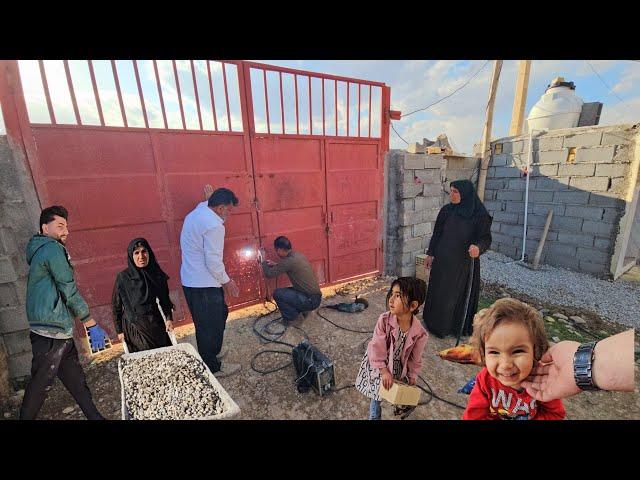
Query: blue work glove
point(466, 389)
point(97, 337)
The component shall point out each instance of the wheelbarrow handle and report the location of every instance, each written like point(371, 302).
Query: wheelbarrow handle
point(172, 335)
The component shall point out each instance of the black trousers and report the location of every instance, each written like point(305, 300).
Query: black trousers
point(209, 312)
point(56, 357)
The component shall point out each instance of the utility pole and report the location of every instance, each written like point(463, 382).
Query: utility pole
point(520, 99)
point(486, 135)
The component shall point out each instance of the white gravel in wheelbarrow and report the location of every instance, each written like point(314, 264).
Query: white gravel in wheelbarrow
point(617, 301)
point(170, 385)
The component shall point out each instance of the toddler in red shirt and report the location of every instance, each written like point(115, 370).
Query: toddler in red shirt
point(510, 337)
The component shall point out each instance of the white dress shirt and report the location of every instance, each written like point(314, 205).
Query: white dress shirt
point(202, 244)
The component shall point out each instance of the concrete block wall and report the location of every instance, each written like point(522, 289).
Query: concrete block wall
point(19, 212)
point(579, 173)
point(416, 190)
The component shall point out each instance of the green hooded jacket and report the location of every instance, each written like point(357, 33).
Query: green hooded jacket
point(53, 299)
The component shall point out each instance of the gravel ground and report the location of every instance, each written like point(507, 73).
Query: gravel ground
point(617, 301)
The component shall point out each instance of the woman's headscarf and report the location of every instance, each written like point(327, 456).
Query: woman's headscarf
point(151, 276)
point(470, 205)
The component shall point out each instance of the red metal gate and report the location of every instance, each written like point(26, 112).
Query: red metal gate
point(319, 183)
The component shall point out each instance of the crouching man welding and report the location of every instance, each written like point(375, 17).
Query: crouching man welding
point(304, 295)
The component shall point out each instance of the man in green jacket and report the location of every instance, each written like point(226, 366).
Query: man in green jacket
point(53, 301)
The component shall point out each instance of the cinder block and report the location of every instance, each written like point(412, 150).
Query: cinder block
point(8, 295)
point(7, 272)
point(500, 160)
point(495, 227)
point(427, 203)
point(611, 169)
point(533, 219)
point(413, 161)
point(408, 176)
point(502, 238)
point(421, 229)
point(17, 342)
point(560, 249)
point(508, 217)
point(432, 189)
point(551, 184)
point(430, 215)
point(405, 232)
point(592, 184)
point(577, 239)
point(576, 197)
point(544, 170)
point(548, 143)
point(591, 139)
point(429, 176)
point(518, 184)
point(607, 199)
point(407, 205)
point(13, 319)
point(507, 172)
point(490, 194)
point(544, 197)
point(407, 259)
point(595, 154)
point(622, 154)
point(494, 206)
point(593, 255)
point(434, 161)
point(410, 190)
point(602, 243)
point(551, 156)
point(569, 224)
point(535, 233)
point(577, 169)
point(619, 137)
point(411, 245)
point(543, 208)
point(591, 213)
point(505, 249)
point(595, 268)
point(515, 231)
point(411, 218)
point(570, 262)
point(510, 195)
point(513, 147)
point(409, 271)
point(426, 240)
point(517, 207)
point(496, 183)
point(617, 185)
point(611, 215)
point(491, 172)
point(20, 365)
point(598, 227)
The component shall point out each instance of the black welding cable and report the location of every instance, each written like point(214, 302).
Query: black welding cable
point(341, 327)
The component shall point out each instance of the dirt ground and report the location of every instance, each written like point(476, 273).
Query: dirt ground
point(274, 396)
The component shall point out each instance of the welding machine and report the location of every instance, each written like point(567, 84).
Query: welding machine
point(313, 369)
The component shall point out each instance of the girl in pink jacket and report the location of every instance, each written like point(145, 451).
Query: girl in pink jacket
point(395, 351)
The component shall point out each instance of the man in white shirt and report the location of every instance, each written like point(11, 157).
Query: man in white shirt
point(203, 275)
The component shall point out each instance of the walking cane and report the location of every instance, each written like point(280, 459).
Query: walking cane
point(466, 302)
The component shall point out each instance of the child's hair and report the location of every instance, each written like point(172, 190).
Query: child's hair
point(510, 309)
point(410, 289)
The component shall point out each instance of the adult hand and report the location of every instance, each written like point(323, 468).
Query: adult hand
point(208, 190)
point(387, 378)
point(97, 337)
point(169, 325)
point(121, 337)
point(271, 263)
point(474, 251)
point(550, 382)
point(231, 288)
point(428, 261)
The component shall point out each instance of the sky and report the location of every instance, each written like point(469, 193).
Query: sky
point(414, 84)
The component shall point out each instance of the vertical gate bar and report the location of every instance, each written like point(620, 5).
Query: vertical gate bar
point(310, 103)
point(47, 96)
point(226, 94)
point(335, 103)
point(213, 103)
point(369, 111)
point(297, 120)
point(144, 110)
point(323, 121)
point(266, 99)
point(72, 92)
point(95, 91)
point(359, 88)
point(195, 91)
point(114, 70)
point(175, 76)
point(281, 103)
point(164, 113)
point(348, 108)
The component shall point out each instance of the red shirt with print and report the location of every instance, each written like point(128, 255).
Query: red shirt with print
point(491, 400)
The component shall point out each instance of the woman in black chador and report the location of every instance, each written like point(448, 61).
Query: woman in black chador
point(137, 317)
point(462, 231)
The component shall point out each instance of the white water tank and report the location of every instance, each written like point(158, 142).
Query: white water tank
point(559, 107)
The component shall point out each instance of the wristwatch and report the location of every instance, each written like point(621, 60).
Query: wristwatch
point(583, 366)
